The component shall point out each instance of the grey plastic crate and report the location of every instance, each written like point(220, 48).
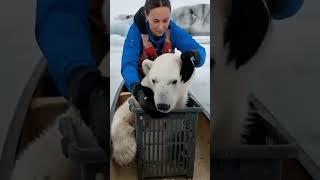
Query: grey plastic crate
point(166, 146)
point(262, 157)
point(92, 160)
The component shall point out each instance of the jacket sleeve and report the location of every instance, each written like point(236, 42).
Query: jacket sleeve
point(130, 57)
point(62, 33)
point(184, 42)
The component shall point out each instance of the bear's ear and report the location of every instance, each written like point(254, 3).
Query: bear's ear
point(146, 66)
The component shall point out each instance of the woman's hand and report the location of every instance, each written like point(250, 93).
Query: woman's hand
point(144, 96)
point(89, 92)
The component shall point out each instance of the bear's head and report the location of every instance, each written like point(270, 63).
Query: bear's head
point(163, 76)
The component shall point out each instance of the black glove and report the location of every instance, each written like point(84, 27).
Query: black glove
point(189, 59)
point(144, 96)
point(89, 92)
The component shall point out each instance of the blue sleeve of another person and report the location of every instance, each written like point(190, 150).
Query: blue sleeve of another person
point(62, 33)
point(184, 42)
point(130, 57)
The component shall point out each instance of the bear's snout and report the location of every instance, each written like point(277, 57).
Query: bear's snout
point(163, 107)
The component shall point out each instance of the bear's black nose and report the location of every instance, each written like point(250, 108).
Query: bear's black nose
point(163, 107)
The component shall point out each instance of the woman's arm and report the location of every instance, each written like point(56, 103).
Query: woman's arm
point(184, 42)
point(130, 56)
point(62, 33)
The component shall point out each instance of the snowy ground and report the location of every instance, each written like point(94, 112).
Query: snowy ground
point(200, 86)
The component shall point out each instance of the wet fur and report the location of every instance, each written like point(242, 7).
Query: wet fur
point(241, 30)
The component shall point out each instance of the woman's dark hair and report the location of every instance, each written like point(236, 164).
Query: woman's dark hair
point(150, 4)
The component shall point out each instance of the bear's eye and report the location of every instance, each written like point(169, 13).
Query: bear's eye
point(154, 81)
point(174, 82)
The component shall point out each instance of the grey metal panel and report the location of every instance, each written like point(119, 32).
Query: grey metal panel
point(14, 126)
point(288, 77)
point(20, 56)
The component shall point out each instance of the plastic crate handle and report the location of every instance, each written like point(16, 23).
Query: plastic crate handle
point(134, 106)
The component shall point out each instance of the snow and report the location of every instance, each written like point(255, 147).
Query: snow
point(195, 19)
point(200, 86)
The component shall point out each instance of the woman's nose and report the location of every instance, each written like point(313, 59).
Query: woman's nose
point(162, 26)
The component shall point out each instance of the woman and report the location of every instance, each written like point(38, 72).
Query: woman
point(161, 39)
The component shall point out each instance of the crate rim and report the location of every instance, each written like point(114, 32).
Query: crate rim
point(135, 107)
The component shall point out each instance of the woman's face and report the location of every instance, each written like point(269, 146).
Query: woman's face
point(158, 19)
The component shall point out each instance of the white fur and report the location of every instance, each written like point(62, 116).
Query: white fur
point(43, 158)
point(164, 69)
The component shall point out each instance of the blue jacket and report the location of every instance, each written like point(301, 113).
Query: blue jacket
point(62, 32)
point(132, 49)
